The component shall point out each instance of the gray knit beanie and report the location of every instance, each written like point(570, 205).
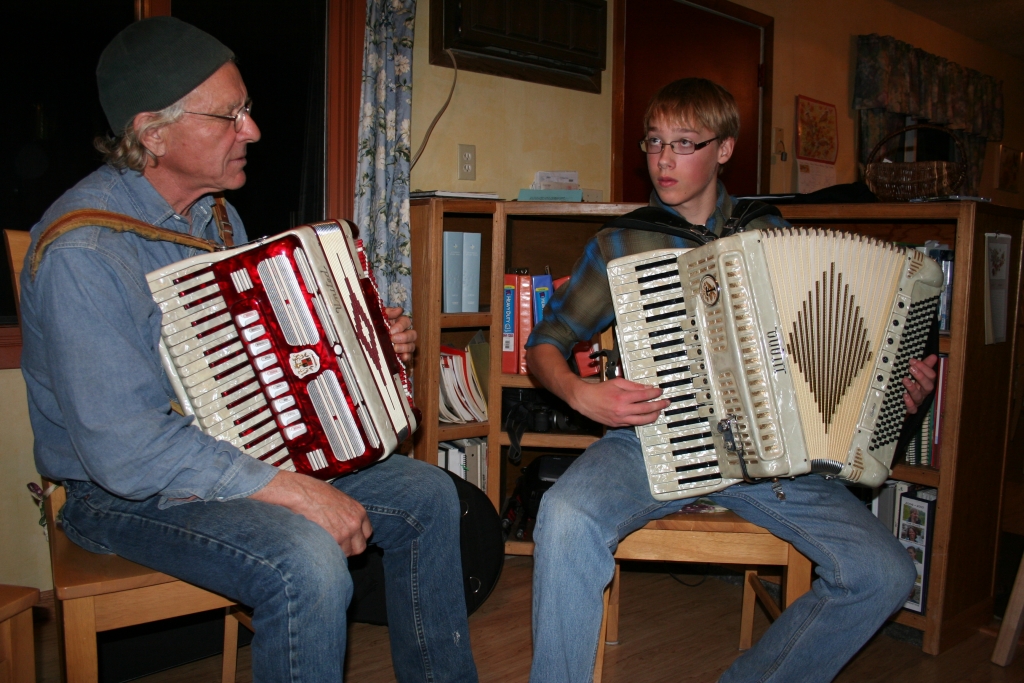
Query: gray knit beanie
point(152, 64)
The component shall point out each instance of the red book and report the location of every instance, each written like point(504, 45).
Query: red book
point(524, 318)
point(509, 347)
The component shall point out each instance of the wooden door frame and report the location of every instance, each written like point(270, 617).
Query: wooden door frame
point(346, 28)
point(724, 7)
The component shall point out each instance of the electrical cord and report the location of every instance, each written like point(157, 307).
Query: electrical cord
point(430, 129)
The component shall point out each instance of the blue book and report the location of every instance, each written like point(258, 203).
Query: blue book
point(541, 293)
point(471, 272)
point(551, 195)
point(452, 272)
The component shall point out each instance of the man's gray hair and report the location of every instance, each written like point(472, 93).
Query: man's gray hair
point(126, 150)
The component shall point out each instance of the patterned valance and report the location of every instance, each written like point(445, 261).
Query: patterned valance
point(895, 80)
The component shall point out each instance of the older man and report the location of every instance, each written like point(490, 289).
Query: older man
point(143, 481)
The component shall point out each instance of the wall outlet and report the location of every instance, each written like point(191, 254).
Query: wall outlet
point(467, 162)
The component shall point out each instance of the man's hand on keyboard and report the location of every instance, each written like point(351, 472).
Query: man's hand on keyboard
point(618, 402)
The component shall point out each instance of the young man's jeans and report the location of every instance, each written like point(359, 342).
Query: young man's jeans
point(294, 575)
point(864, 574)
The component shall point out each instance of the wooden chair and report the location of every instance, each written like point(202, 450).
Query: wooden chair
point(96, 593)
point(719, 538)
point(1013, 622)
point(17, 649)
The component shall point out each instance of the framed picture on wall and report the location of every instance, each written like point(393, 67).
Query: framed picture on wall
point(1008, 173)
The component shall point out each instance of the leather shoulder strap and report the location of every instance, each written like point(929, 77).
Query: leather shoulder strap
point(117, 222)
point(745, 211)
point(220, 217)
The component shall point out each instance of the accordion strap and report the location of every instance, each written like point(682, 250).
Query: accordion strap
point(118, 222)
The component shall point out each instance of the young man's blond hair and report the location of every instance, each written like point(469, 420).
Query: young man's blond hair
point(696, 101)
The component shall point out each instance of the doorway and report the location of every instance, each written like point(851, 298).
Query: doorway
point(659, 41)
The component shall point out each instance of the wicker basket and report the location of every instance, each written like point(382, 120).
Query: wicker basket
point(903, 181)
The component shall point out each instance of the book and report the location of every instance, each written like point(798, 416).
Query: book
point(476, 390)
point(944, 256)
point(509, 347)
point(542, 291)
point(566, 177)
point(480, 350)
point(524, 318)
point(916, 513)
point(550, 195)
point(471, 272)
point(462, 383)
point(455, 459)
point(452, 267)
point(426, 194)
point(886, 501)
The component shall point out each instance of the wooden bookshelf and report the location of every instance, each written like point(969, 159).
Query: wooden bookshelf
point(974, 426)
point(974, 423)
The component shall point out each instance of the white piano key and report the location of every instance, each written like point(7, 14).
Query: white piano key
point(202, 376)
point(179, 301)
point(222, 402)
point(205, 344)
point(182, 318)
point(206, 361)
point(266, 445)
point(164, 288)
point(224, 419)
point(218, 339)
point(266, 426)
point(234, 434)
point(194, 332)
point(225, 383)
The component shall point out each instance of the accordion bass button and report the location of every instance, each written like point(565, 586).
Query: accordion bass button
point(247, 318)
point(288, 418)
point(275, 390)
point(253, 332)
point(272, 375)
point(283, 403)
point(294, 431)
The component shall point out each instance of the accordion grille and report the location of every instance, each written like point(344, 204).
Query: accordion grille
point(834, 293)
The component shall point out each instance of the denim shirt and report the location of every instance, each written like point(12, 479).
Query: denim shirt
point(99, 401)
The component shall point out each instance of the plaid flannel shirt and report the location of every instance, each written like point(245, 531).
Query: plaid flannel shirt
point(583, 306)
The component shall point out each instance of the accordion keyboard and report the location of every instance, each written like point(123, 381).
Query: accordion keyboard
point(658, 349)
point(281, 347)
point(233, 399)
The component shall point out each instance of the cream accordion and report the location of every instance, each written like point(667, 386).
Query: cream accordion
point(281, 347)
point(782, 352)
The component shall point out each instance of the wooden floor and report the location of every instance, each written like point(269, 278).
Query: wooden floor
point(669, 632)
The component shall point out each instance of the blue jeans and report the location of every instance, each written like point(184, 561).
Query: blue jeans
point(294, 575)
point(863, 573)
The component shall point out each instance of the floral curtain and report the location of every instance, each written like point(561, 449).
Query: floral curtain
point(895, 80)
point(382, 176)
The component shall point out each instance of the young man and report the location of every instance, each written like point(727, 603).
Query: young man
point(864, 573)
point(145, 482)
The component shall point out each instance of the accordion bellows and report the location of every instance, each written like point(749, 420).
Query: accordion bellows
point(281, 347)
point(782, 352)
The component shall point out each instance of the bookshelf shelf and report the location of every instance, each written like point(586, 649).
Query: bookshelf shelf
point(456, 321)
point(551, 440)
point(519, 381)
point(916, 474)
point(447, 431)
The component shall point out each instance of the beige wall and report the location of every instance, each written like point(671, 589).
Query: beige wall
point(518, 127)
point(24, 558)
